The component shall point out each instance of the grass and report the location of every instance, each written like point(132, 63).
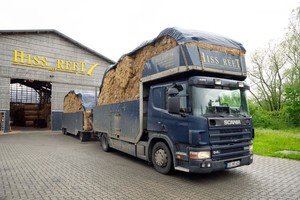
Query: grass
point(268, 142)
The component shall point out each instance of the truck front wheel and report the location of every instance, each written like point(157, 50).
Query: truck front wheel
point(161, 158)
point(104, 142)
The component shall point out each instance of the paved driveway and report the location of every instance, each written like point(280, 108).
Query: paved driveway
point(49, 165)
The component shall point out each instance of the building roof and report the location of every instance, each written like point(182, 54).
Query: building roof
point(60, 35)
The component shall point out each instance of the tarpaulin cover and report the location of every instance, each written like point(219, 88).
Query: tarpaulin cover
point(183, 36)
point(88, 100)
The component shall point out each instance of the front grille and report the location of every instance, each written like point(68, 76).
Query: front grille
point(229, 142)
point(232, 150)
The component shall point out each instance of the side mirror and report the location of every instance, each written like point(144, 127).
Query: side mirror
point(173, 91)
point(174, 105)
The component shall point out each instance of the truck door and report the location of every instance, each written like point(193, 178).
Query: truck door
point(175, 125)
point(156, 106)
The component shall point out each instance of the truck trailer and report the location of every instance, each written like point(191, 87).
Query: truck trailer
point(76, 118)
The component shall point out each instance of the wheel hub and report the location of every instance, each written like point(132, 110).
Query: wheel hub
point(161, 158)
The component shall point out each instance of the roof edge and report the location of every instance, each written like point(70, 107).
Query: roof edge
point(61, 35)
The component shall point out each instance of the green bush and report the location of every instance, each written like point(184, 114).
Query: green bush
point(292, 104)
point(267, 119)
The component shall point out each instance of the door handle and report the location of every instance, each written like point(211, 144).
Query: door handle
point(163, 127)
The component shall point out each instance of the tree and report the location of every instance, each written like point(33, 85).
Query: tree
point(291, 45)
point(267, 75)
point(276, 76)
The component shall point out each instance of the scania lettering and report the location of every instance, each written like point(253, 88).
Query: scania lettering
point(232, 122)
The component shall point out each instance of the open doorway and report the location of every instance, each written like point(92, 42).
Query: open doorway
point(30, 104)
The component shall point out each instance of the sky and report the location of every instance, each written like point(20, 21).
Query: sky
point(115, 27)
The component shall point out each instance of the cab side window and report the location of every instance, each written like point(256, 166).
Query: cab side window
point(159, 97)
point(183, 98)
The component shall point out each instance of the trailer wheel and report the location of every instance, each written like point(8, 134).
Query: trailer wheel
point(161, 158)
point(104, 142)
point(81, 136)
point(64, 131)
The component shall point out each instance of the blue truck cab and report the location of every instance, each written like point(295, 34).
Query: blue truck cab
point(205, 122)
point(192, 113)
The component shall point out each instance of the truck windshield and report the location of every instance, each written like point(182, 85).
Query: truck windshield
point(219, 102)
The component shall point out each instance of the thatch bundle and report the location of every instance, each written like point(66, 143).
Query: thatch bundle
point(122, 83)
point(227, 50)
point(31, 113)
point(87, 126)
point(73, 103)
point(45, 113)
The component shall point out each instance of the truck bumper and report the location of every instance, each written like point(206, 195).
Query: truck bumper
point(208, 165)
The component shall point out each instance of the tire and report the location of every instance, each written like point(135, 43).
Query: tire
point(105, 143)
point(162, 158)
point(88, 136)
point(81, 136)
point(64, 131)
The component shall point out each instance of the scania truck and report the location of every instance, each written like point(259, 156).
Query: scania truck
point(191, 114)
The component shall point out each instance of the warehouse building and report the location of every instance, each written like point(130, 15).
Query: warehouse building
point(37, 69)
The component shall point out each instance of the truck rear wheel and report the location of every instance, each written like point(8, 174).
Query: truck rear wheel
point(104, 142)
point(82, 137)
point(161, 158)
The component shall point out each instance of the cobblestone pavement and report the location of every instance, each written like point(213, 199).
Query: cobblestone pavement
point(49, 165)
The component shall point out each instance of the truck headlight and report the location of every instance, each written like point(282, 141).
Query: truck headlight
point(250, 148)
point(199, 155)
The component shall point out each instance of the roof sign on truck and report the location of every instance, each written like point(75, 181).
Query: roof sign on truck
point(203, 59)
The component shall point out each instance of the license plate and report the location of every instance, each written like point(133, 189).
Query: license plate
point(233, 164)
